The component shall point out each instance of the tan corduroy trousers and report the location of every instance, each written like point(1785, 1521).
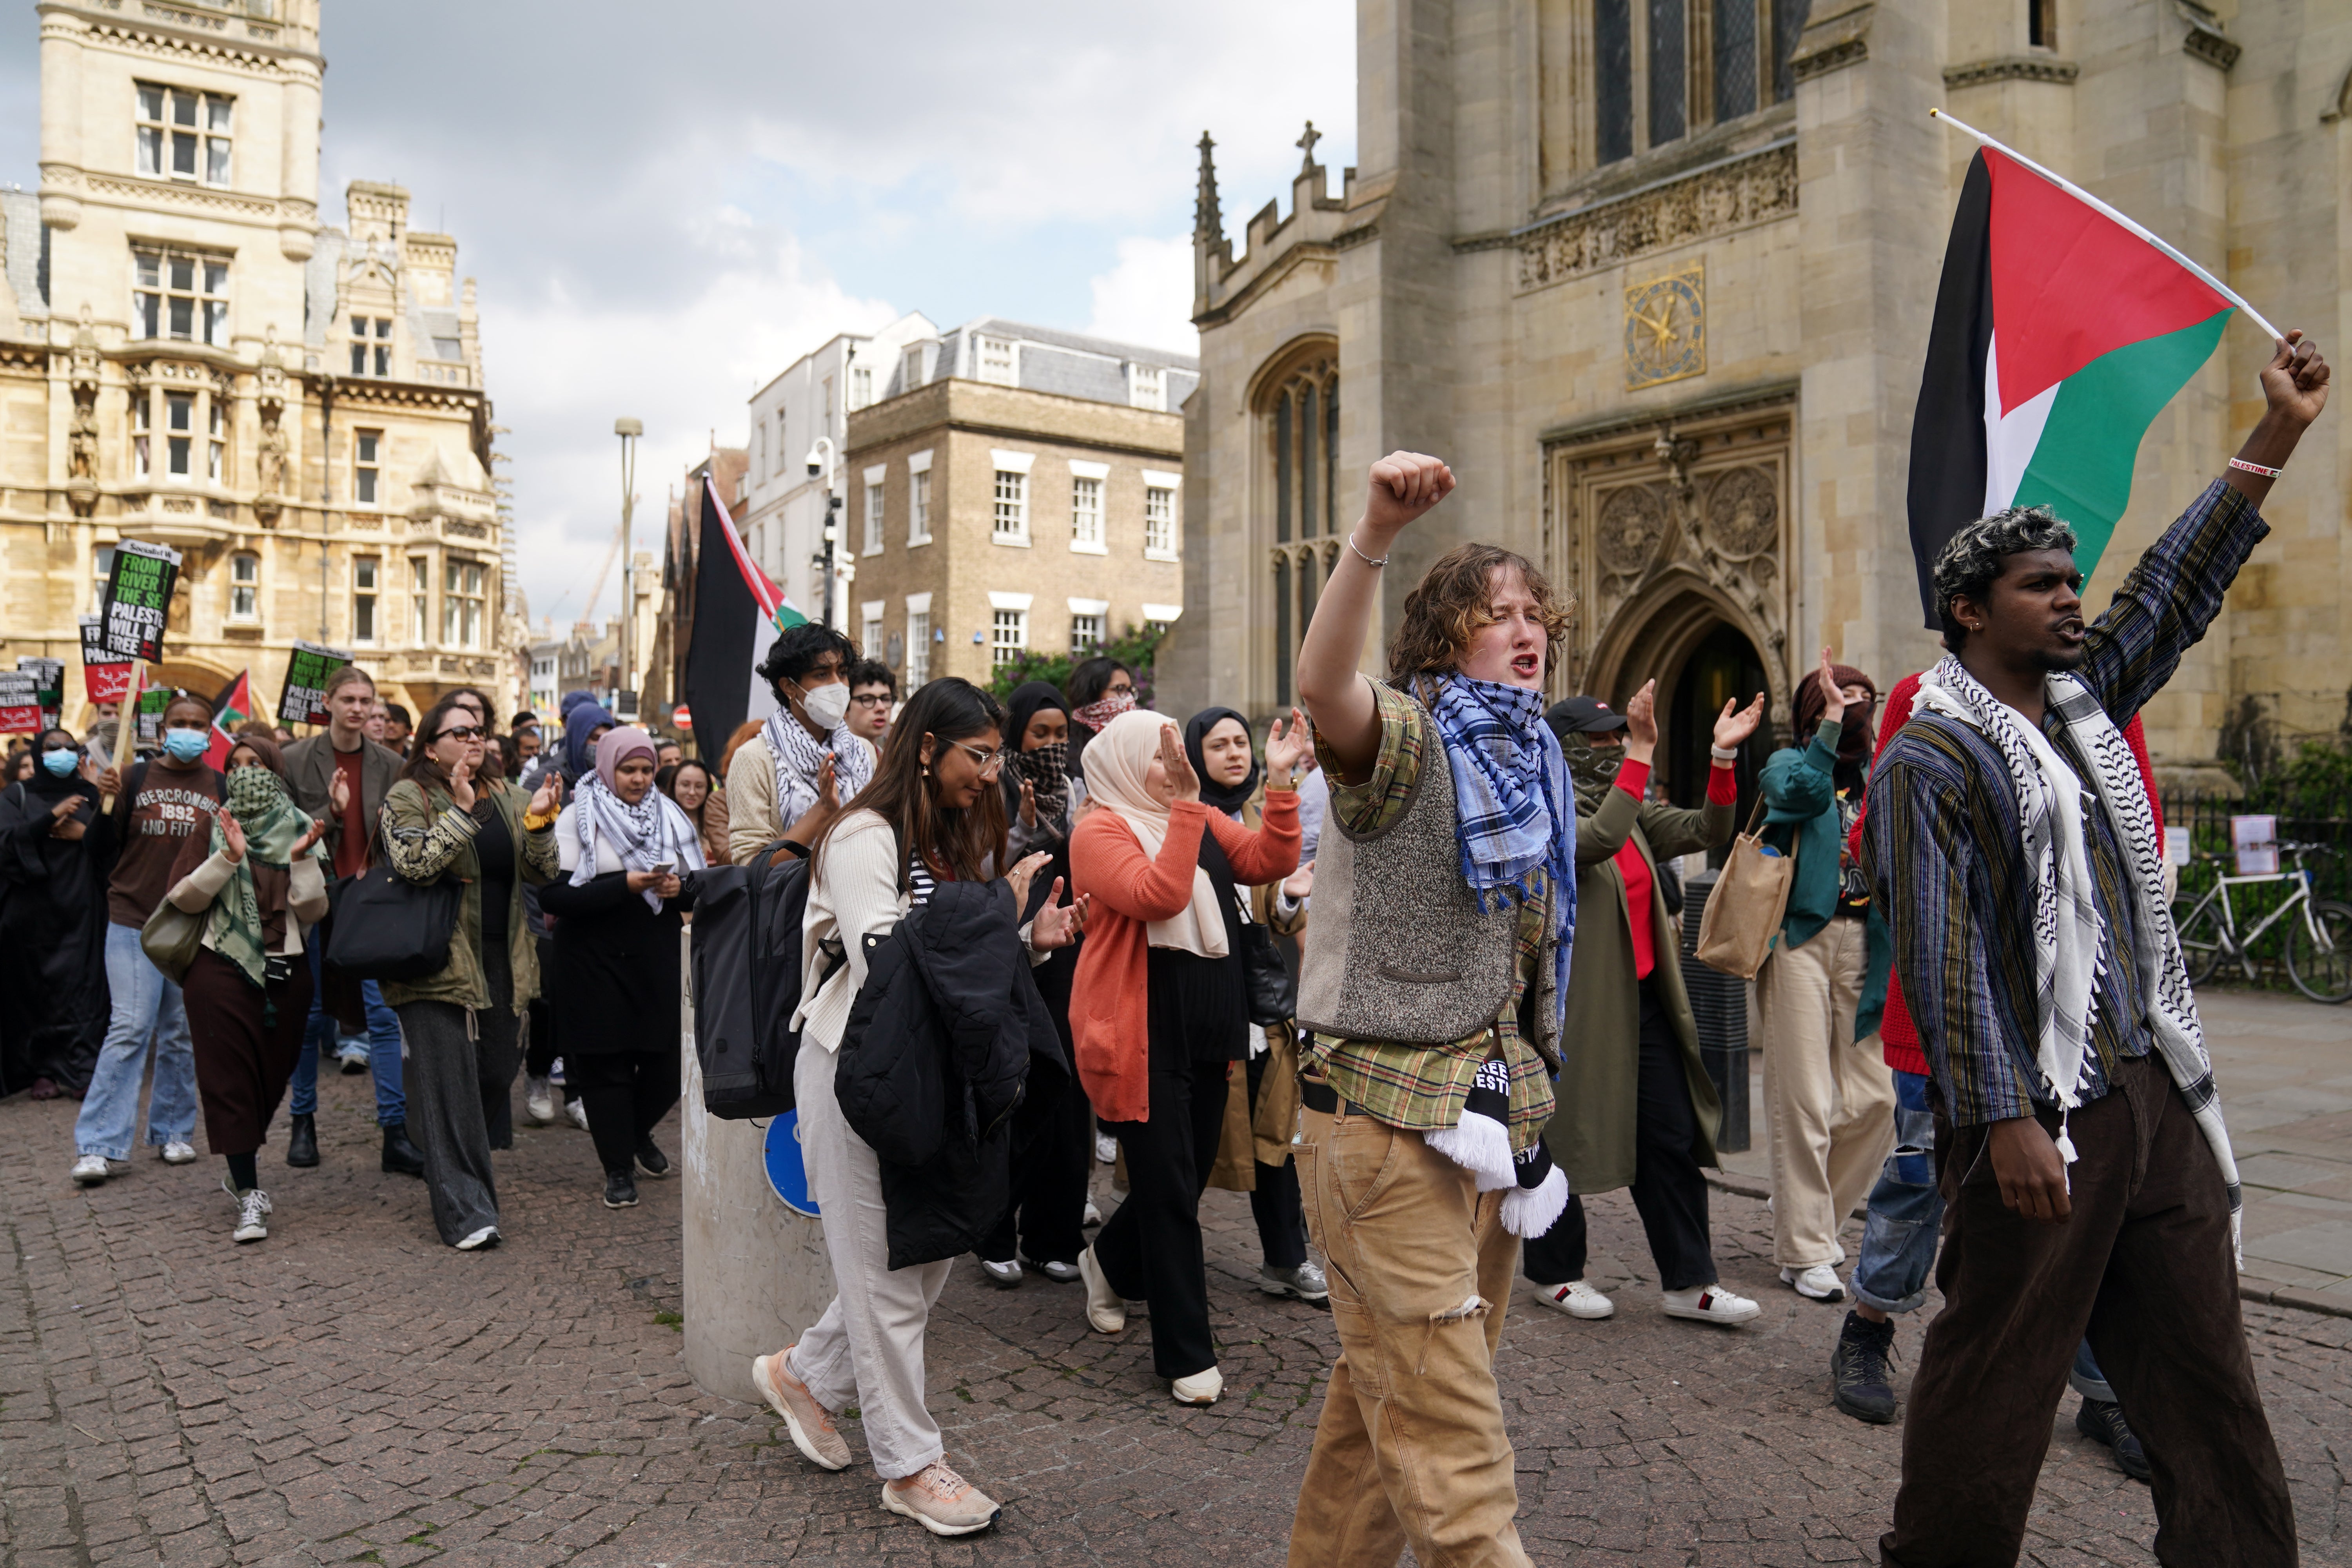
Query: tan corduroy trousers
point(1828, 1097)
point(1410, 1445)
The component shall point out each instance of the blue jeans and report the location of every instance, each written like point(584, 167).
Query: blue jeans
point(145, 1005)
point(384, 1049)
point(1905, 1219)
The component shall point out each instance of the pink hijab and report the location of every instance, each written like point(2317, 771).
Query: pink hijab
point(617, 747)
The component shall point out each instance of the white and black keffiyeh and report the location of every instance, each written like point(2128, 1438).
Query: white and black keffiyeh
point(799, 758)
point(2068, 945)
point(651, 833)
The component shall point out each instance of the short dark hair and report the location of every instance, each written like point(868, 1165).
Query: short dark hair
point(1970, 561)
point(343, 676)
point(526, 720)
point(394, 712)
point(873, 672)
point(797, 651)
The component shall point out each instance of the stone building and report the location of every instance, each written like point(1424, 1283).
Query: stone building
point(1013, 489)
point(188, 356)
point(1656, 278)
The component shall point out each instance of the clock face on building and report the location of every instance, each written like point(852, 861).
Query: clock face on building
point(1665, 327)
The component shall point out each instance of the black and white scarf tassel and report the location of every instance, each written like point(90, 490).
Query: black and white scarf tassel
point(1539, 1198)
point(1480, 1141)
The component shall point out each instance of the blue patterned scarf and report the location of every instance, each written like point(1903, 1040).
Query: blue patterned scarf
point(1515, 808)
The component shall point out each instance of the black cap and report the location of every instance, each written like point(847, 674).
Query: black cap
point(1583, 716)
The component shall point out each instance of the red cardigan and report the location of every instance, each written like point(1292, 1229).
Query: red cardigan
point(1108, 1019)
point(1898, 1036)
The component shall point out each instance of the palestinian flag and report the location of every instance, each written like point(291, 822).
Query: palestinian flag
point(233, 707)
point(738, 612)
point(2059, 334)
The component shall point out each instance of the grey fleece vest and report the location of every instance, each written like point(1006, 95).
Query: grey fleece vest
point(1397, 949)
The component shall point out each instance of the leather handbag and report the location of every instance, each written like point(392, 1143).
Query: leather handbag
point(1272, 991)
point(172, 938)
point(1751, 900)
point(386, 927)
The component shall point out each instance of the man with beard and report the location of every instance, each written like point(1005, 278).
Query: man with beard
point(2085, 1163)
point(1829, 1100)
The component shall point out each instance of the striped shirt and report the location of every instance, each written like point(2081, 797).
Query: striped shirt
point(1421, 1087)
point(1944, 847)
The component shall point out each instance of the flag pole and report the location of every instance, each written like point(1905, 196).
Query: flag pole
point(2080, 195)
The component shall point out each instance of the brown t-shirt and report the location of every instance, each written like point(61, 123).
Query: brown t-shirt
point(352, 843)
point(171, 804)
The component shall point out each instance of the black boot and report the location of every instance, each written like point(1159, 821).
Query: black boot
point(401, 1157)
point(302, 1142)
point(2101, 1421)
point(1860, 1383)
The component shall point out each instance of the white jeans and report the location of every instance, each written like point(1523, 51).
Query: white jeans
point(867, 1349)
point(1828, 1097)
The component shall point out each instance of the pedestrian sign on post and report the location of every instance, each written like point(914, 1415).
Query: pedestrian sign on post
point(787, 1172)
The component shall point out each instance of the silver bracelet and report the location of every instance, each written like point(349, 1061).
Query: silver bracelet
point(1720, 755)
point(1359, 552)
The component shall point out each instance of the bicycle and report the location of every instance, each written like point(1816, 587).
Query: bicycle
point(2318, 946)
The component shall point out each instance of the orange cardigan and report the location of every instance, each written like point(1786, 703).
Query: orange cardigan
point(1108, 1018)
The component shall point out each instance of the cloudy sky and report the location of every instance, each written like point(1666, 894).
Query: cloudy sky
point(665, 206)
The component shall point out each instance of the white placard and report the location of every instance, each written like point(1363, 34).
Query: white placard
point(2176, 847)
point(2256, 838)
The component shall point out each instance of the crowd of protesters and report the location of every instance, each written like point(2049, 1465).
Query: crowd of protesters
point(1327, 963)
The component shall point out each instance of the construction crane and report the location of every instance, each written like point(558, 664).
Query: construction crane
point(612, 553)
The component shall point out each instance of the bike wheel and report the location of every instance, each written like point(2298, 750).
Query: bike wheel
point(2322, 970)
point(2201, 942)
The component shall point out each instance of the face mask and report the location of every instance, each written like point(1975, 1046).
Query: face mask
point(826, 706)
point(1587, 765)
point(1105, 709)
point(60, 765)
point(186, 745)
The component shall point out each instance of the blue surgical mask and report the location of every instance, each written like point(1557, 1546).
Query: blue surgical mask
point(60, 765)
point(186, 745)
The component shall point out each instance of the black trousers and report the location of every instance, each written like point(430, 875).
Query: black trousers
point(1151, 1250)
point(2144, 1265)
point(1669, 1188)
point(627, 1094)
point(1274, 1201)
point(1046, 1216)
point(460, 1075)
point(540, 1053)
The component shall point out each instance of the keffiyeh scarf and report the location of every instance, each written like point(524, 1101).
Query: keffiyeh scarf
point(798, 760)
point(272, 825)
point(1515, 810)
point(2070, 942)
point(644, 836)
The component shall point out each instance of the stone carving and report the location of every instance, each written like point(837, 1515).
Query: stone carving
point(81, 432)
point(269, 456)
point(1735, 193)
point(1743, 513)
point(1632, 525)
point(2010, 68)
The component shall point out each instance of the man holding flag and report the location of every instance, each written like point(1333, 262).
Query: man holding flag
point(2078, 1136)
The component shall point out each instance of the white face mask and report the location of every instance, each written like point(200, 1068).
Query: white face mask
point(827, 705)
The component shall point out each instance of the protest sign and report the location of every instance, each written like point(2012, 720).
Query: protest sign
point(104, 679)
point(20, 705)
point(2256, 838)
point(152, 703)
point(304, 700)
point(48, 684)
point(139, 599)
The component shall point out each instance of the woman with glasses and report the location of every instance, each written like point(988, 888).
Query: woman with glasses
point(934, 813)
point(619, 907)
point(462, 1024)
point(1159, 1012)
point(258, 877)
point(689, 783)
point(55, 849)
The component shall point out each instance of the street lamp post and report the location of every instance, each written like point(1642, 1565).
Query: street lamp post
point(823, 458)
point(628, 430)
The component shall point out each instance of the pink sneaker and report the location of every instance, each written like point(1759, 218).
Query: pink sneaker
point(941, 1501)
point(810, 1423)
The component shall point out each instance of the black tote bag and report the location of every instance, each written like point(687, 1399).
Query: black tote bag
point(386, 927)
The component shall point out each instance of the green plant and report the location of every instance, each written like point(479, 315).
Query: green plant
point(671, 1321)
point(2316, 781)
point(1133, 647)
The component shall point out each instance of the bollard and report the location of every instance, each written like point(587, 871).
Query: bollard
point(1718, 1005)
point(756, 1273)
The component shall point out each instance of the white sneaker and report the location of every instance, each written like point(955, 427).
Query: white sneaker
point(251, 1206)
point(1093, 1216)
point(1105, 1309)
point(1006, 1274)
point(179, 1152)
point(1710, 1304)
point(1818, 1283)
point(1106, 1149)
point(90, 1169)
point(539, 1101)
point(1577, 1299)
point(577, 1110)
point(486, 1237)
point(1200, 1388)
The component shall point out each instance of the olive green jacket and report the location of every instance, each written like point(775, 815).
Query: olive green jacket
point(425, 837)
point(1591, 1133)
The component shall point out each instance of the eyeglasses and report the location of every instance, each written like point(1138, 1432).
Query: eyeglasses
point(872, 699)
point(987, 760)
point(463, 732)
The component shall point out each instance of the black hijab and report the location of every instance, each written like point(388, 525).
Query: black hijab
point(1217, 797)
point(1047, 768)
point(46, 787)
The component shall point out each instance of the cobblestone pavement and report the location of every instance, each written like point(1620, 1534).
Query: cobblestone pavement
point(351, 1391)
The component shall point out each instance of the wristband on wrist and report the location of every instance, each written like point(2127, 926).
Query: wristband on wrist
point(2243, 466)
point(1720, 755)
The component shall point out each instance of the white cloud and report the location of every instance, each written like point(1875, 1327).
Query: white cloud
point(1146, 297)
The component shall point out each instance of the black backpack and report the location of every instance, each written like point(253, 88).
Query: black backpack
point(747, 983)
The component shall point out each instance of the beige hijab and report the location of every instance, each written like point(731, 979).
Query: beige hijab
point(1117, 760)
